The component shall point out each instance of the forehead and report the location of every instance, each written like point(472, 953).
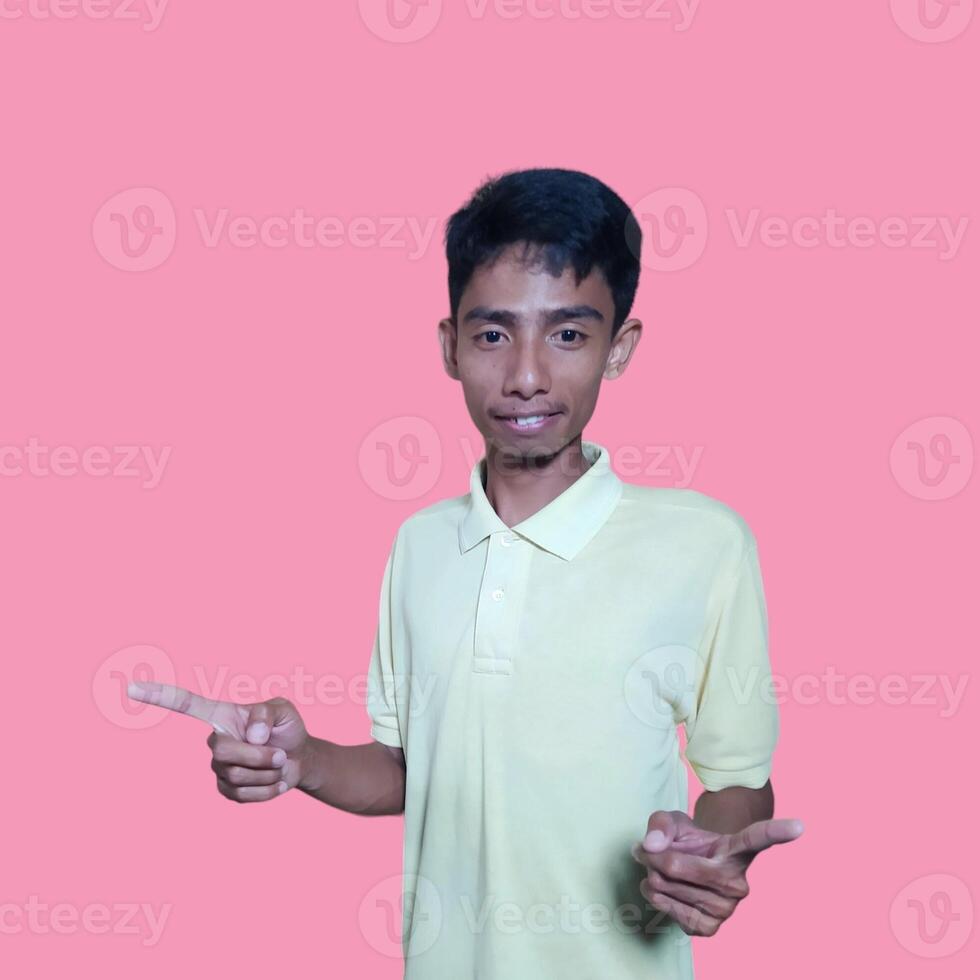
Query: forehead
point(513, 283)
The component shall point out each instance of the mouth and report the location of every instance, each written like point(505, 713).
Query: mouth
point(528, 423)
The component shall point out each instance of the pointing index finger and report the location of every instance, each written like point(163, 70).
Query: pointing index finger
point(176, 699)
point(763, 834)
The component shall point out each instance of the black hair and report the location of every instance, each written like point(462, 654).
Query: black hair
point(565, 217)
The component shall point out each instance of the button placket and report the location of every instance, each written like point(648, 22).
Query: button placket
point(495, 624)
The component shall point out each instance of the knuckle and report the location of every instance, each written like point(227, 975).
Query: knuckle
point(737, 888)
point(230, 791)
point(235, 775)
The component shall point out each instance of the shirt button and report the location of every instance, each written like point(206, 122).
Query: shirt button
point(497, 594)
point(508, 539)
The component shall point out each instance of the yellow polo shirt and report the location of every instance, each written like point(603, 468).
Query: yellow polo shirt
point(535, 678)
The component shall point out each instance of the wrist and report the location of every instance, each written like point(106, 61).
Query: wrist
point(307, 766)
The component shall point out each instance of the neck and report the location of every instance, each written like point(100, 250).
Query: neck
point(519, 486)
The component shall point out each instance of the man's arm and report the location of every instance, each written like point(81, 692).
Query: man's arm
point(367, 779)
point(726, 811)
point(696, 867)
point(261, 750)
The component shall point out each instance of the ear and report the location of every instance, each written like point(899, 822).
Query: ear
point(447, 340)
point(623, 345)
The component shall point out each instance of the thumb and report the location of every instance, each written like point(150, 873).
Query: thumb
point(663, 827)
point(258, 726)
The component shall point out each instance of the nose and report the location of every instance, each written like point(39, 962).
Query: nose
point(527, 371)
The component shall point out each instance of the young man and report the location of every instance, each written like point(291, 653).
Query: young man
point(541, 638)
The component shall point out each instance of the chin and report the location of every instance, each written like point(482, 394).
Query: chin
point(528, 448)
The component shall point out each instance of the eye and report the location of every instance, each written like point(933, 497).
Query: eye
point(489, 334)
point(568, 330)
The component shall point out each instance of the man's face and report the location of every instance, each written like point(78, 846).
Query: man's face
point(529, 343)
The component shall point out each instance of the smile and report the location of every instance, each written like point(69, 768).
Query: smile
point(528, 423)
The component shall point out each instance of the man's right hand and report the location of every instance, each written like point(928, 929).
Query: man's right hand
point(257, 749)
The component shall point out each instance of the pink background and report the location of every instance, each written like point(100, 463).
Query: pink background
point(270, 374)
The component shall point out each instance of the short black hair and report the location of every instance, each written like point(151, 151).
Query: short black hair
point(565, 217)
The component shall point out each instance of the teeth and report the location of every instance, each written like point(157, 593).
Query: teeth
point(530, 420)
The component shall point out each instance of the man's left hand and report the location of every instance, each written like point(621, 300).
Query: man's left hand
point(697, 876)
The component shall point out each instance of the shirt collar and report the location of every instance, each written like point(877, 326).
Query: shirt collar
point(565, 525)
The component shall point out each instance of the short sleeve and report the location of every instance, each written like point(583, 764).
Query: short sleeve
point(381, 679)
point(732, 731)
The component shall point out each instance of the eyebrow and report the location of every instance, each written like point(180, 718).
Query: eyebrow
point(549, 318)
